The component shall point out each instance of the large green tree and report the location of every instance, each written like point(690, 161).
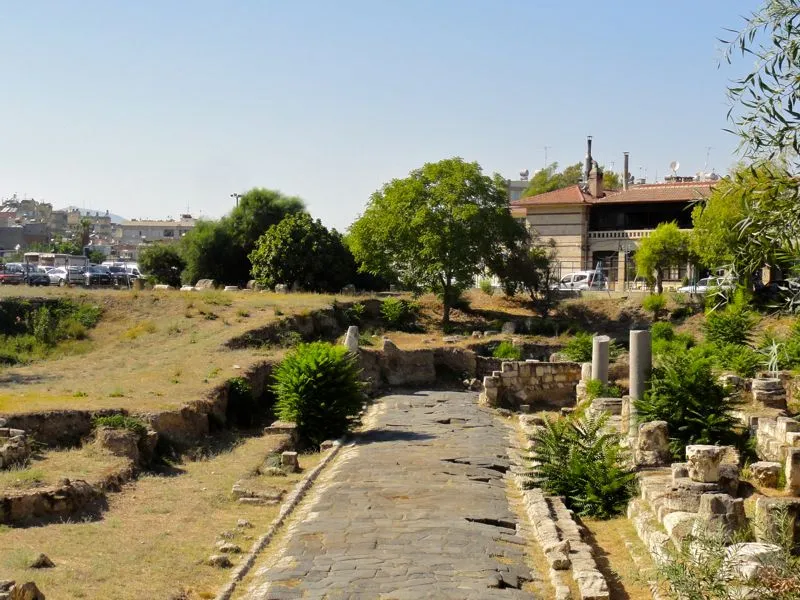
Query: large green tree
point(219, 250)
point(666, 247)
point(550, 178)
point(435, 228)
point(300, 251)
point(162, 262)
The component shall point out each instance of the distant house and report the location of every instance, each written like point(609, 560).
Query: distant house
point(591, 226)
point(129, 236)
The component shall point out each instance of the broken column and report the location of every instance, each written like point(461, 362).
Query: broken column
point(769, 392)
point(351, 339)
point(586, 375)
point(600, 345)
point(652, 448)
point(703, 461)
point(641, 362)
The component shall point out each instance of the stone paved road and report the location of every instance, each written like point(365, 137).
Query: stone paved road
point(416, 509)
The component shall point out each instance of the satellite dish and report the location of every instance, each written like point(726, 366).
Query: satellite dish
point(523, 175)
point(674, 166)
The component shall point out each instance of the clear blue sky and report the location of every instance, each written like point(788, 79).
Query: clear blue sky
point(146, 107)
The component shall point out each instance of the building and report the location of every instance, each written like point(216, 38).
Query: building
point(129, 236)
point(591, 226)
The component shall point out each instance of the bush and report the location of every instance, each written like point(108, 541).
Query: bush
point(662, 331)
point(597, 389)
point(486, 287)
point(399, 314)
point(507, 350)
point(666, 341)
point(742, 360)
point(579, 348)
point(654, 303)
point(685, 393)
point(121, 422)
point(576, 458)
point(163, 263)
point(317, 386)
point(730, 325)
point(355, 313)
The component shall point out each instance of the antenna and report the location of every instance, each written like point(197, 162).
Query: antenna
point(708, 153)
point(674, 166)
point(546, 148)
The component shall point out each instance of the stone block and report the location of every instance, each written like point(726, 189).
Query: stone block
point(785, 425)
point(525, 370)
point(351, 339)
point(729, 478)
point(720, 513)
point(679, 525)
point(490, 381)
point(290, 462)
point(793, 470)
point(586, 371)
point(652, 446)
point(767, 384)
point(793, 440)
point(750, 560)
point(704, 461)
point(508, 366)
point(119, 442)
point(679, 470)
point(766, 474)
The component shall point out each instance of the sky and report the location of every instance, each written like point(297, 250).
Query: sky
point(155, 107)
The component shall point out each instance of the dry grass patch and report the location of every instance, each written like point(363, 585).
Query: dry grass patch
point(141, 342)
point(88, 463)
point(154, 537)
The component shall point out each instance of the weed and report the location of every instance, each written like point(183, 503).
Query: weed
point(174, 329)
point(116, 393)
point(289, 339)
point(140, 329)
point(242, 313)
point(597, 389)
point(213, 372)
point(486, 287)
point(80, 394)
point(121, 422)
point(507, 350)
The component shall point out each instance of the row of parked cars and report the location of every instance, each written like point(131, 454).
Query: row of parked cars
point(89, 276)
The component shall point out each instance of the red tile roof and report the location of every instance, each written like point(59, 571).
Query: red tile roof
point(652, 192)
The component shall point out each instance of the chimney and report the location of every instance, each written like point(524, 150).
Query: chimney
point(588, 165)
point(625, 173)
point(596, 181)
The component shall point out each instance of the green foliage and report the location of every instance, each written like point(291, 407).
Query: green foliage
point(317, 386)
point(654, 303)
point(96, 256)
point(162, 262)
point(435, 229)
point(486, 287)
point(121, 422)
point(685, 393)
point(740, 359)
point(578, 459)
point(507, 350)
point(549, 179)
point(662, 331)
point(579, 348)
point(666, 247)
point(666, 341)
point(44, 326)
point(355, 314)
point(597, 389)
point(400, 314)
point(785, 348)
point(301, 251)
point(219, 249)
point(530, 268)
point(730, 325)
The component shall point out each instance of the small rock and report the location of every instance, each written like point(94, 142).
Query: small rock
point(477, 334)
point(227, 535)
point(326, 445)
point(244, 524)
point(228, 548)
point(504, 412)
point(41, 562)
point(274, 472)
point(26, 591)
point(220, 560)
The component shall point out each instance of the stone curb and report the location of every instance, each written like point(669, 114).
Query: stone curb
point(294, 498)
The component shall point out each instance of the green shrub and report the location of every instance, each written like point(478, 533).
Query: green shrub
point(579, 348)
point(121, 422)
point(686, 394)
point(317, 386)
point(355, 313)
point(731, 324)
point(44, 326)
point(399, 314)
point(654, 303)
point(742, 360)
point(576, 458)
point(486, 287)
point(662, 331)
point(507, 350)
point(597, 389)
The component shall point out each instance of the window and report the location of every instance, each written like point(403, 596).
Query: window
point(580, 278)
point(566, 279)
point(169, 233)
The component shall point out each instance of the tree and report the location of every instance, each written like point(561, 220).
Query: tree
point(530, 267)
point(163, 263)
point(85, 230)
point(611, 180)
point(219, 250)
point(301, 251)
point(666, 247)
point(434, 229)
point(96, 256)
point(549, 179)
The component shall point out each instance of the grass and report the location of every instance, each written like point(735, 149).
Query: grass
point(154, 536)
point(137, 349)
point(87, 463)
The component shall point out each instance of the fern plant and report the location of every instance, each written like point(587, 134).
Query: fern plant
point(686, 394)
point(580, 459)
point(317, 387)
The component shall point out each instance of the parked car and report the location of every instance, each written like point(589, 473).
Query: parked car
point(37, 276)
point(65, 275)
point(123, 277)
point(97, 275)
point(582, 280)
point(705, 284)
point(776, 291)
point(12, 274)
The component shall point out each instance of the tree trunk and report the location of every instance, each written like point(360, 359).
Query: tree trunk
point(446, 301)
point(659, 281)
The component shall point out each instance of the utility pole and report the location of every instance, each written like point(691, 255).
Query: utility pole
point(236, 197)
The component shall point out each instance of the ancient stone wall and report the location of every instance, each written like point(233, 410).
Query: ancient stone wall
point(526, 382)
point(14, 446)
point(774, 437)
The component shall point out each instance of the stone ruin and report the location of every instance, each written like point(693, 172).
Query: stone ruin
point(15, 447)
point(530, 381)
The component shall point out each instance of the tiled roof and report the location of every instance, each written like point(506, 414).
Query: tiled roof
point(659, 192)
point(567, 195)
point(652, 192)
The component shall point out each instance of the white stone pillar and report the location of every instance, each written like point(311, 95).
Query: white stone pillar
point(641, 362)
point(351, 339)
point(600, 357)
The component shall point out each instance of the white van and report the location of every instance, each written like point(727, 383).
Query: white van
point(582, 280)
